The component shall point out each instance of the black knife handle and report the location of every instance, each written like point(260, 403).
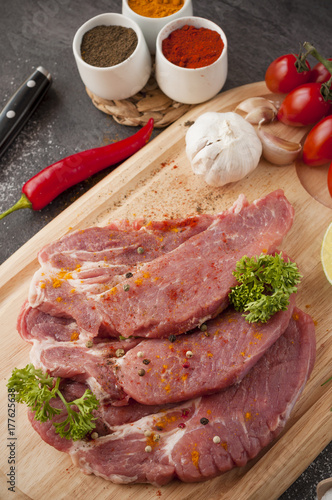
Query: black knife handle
point(21, 106)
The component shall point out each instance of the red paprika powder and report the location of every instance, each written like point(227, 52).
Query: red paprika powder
point(191, 47)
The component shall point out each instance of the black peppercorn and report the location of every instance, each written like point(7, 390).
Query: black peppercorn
point(172, 338)
point(204, 421)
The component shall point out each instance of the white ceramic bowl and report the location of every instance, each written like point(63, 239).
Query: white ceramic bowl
point(122, 80)
point(151, 26)
point(190, 85)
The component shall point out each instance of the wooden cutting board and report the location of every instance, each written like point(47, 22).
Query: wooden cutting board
point(158, 183)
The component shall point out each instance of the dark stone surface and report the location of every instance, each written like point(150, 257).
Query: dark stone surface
point(40, 32)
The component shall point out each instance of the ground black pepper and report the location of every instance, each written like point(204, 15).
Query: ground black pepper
point(105, 46)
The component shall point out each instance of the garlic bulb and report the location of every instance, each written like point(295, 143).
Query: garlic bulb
point(222, 147)
point(278, 150)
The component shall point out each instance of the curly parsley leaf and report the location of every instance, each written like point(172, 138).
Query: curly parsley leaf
point(36, 389)
point(265, 285)
point(81, 422)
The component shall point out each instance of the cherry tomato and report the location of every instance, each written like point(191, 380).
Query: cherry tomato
point(282, 76)
point(319, 73)
point(304, 106)
point(317, 147)
point(329, 180)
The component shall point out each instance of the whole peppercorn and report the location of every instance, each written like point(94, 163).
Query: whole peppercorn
point(204, 421)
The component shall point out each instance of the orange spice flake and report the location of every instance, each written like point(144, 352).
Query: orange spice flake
point(139, 281)
point(165, 420)
point(184, 377)
point(74, 336)
point(61, 276)
point(247, 415)
point(295, 316)
point(42, 285)
point(195, 457)
point(224, 445)
point(150, 441)
point(58, 299)
point(56, 283)
point(209, 355)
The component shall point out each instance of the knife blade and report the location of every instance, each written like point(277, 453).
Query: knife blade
point(22, 104)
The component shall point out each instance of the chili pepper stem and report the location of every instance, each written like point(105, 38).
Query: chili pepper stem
point(23, 202)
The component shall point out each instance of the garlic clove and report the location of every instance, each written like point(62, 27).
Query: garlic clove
point(261, 115)
point(251, 103)
point(278, 150)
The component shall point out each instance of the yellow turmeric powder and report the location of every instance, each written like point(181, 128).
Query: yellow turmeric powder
point(155, 8)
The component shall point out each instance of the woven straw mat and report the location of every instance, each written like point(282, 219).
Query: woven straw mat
point(150, 102)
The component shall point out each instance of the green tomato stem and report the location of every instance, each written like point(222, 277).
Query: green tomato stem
point(23, 202)
point(312, 51)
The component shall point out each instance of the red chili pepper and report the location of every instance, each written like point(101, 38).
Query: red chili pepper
point(45, 186)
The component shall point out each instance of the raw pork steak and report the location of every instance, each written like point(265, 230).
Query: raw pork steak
point(173, 371)
point(181, 289)
point(203, 437)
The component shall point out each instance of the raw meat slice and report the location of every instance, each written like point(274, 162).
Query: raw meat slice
point(227, 349)
point(201, 362)
point(210, 435)
point(93, 260)
point(117, 242)
point(178, 291)
point(92, 365)
point(33, 324)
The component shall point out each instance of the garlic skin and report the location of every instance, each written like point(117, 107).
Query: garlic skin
point(278, 150)
point(222, 147)
point(260, 115)
point(259, 110)
point(252, 103)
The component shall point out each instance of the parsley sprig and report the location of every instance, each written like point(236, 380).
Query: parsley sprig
point(265, 285)
point(36, 389)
